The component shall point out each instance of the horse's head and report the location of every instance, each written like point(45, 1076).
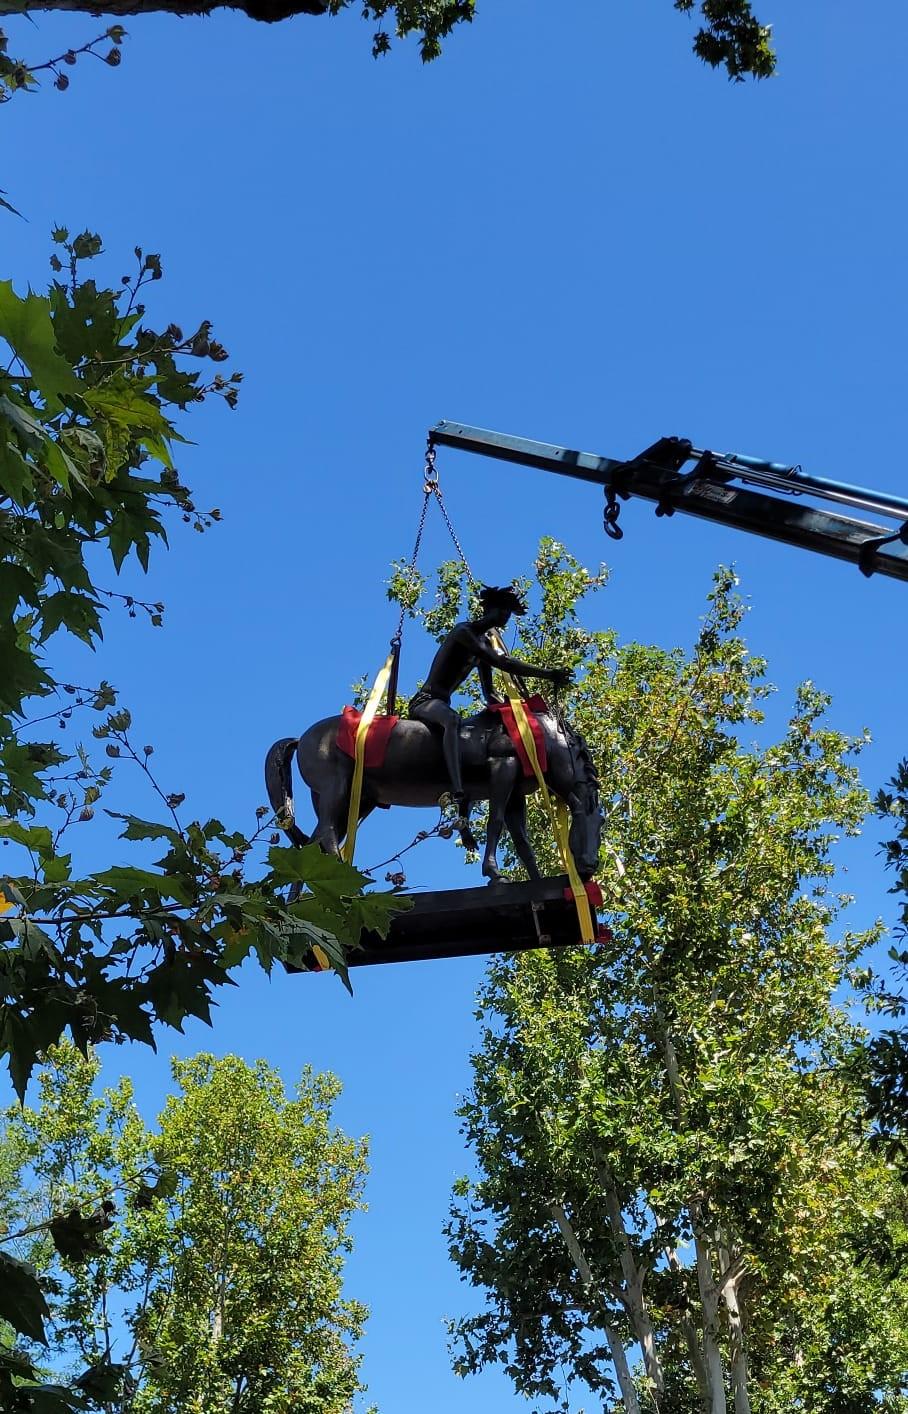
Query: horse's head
point(587, 821)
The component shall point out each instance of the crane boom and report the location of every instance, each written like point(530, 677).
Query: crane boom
point(765, 498)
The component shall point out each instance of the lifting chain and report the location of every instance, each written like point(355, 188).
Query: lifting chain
point(430, 488)
point(432, 484)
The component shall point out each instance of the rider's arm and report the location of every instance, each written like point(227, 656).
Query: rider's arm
point(486, 682)
point(507, 664)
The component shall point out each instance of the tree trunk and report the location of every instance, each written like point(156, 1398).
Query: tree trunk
point(616, 1348)
point(709, 1299)
point(711, 1363)
point(633, 1281)
point(692, 1341)
point(737, 1354)
point(125, 9)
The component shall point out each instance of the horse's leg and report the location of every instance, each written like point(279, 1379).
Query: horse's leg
point(504, 772)
point(515, 817)
point(332, 801)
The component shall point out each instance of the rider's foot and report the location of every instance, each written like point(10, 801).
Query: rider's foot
point(462, 823)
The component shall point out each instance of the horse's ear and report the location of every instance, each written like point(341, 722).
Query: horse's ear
point(573, 800)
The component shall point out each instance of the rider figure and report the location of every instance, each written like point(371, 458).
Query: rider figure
point(466, 647)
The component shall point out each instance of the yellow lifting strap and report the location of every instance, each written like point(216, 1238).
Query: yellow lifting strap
point(557, 810)
point(379, 688)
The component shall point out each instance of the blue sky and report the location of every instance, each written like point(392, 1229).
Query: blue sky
point(565, 229)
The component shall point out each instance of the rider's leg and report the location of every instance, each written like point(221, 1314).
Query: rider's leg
point(439, 714)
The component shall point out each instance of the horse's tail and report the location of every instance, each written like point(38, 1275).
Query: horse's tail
point(279, 785)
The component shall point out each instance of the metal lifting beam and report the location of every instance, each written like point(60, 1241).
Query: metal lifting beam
point(473, 923)
point(681, 477)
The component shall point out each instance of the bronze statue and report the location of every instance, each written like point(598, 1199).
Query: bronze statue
point(437, 751)
point(414, 773)
point(466, 647)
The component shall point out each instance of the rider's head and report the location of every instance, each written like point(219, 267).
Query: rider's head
point(499, 604)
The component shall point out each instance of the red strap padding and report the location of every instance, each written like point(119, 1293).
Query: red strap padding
point(376, 738)
point(532, 705)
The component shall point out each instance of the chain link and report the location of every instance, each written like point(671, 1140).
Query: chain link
point(431, 487)
point(428, 488)
point(453, 533)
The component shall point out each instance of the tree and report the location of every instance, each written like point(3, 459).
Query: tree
point(668, 1128)
point(87, 400)
point(730, 35)
point(198, 1266)
point(886, 1074)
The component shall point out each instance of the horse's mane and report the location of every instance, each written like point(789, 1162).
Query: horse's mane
point(580, 751)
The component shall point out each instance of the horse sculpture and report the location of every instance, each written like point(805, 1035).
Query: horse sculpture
point(413, 773)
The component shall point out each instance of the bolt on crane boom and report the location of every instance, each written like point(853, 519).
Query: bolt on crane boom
point(717, 486)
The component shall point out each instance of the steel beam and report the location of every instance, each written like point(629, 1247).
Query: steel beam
point(473, 922)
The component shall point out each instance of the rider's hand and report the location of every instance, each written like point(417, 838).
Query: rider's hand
point(561, 678)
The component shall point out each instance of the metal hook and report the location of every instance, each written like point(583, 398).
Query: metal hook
point(612, 512)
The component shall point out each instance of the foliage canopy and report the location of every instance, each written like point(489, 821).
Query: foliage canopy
point(89, 397)
point(669, 1130)
point(729, 37)
point(196, 1266)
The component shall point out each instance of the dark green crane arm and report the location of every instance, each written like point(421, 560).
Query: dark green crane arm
point(717, 486)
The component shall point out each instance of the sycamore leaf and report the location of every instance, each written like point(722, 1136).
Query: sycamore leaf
point(137, 829)
point(310, 865)
point(102, 1381)
point(22, 1301)
point(52, 1399)
point(375, 912)
point(76, 612)
point(7, 206)
point(36, 837)
point(60, 466)
point(26, 326)
point(128, 882)
point(24, 421)
point(15, 474)
point(16, 586)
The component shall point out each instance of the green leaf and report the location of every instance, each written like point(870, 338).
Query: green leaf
point(102, 1381)
point(375, 911)
point(16, 586)
point(22, 1301)
point(137, 829)
point(58, 869)
point(26, 326)
point(127, 530)
point(76, 612)
point(7, 206)
point(180, 987)
point(53, 1399)
point(128, 882)
point(310, 865)
point(36, 837)
point(15, 474)
point(61, 468)
point(23, 420)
